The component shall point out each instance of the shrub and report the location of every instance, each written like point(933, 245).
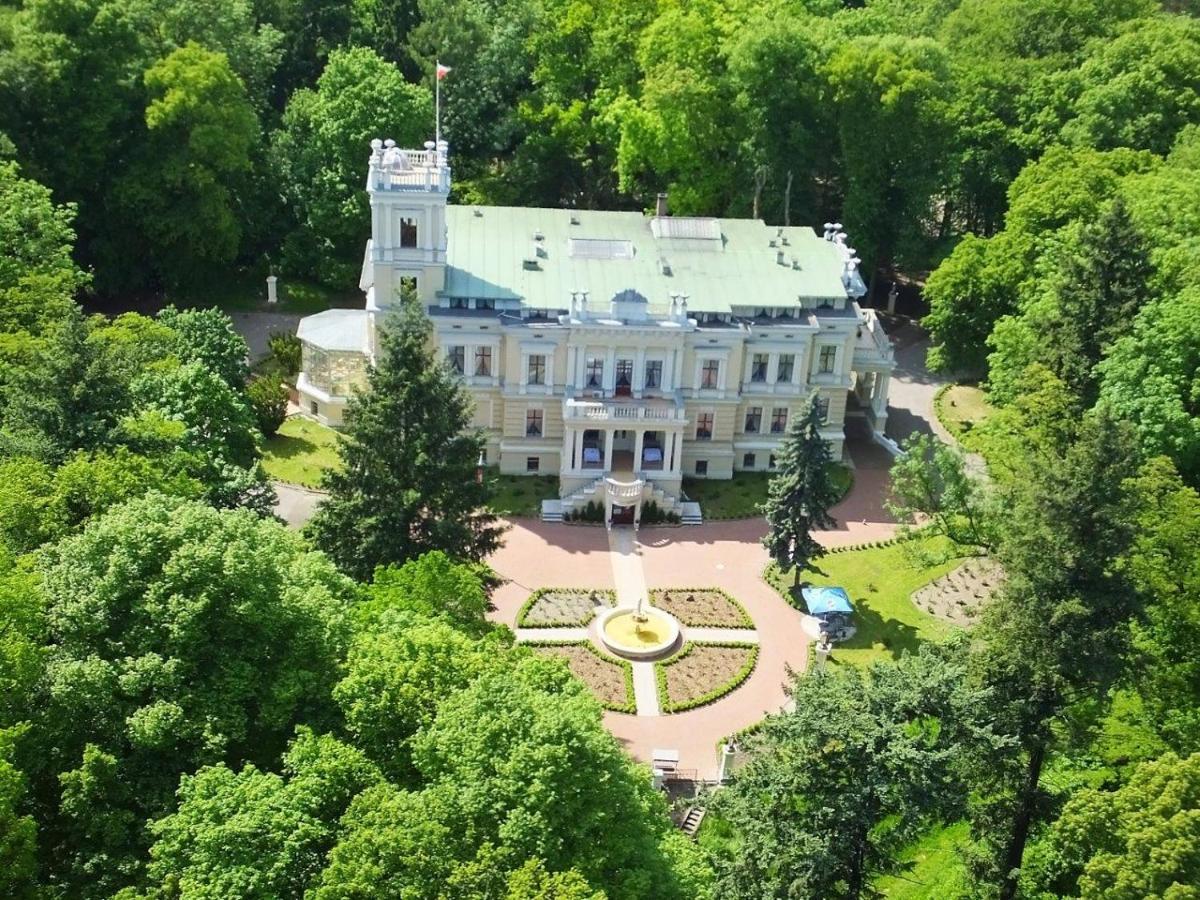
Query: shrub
point(269, 400)
point(285, 350)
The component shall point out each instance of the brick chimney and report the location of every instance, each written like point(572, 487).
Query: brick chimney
point(660, 204)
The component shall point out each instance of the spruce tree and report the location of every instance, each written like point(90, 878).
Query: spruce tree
point(1102, 285)
point(799, 495)
point(407, 484)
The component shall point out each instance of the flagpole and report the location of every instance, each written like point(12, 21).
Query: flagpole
point(437, 103)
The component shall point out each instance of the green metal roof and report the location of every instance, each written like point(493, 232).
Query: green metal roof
point(716, 263)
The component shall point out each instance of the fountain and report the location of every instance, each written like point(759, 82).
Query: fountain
point(638, 633)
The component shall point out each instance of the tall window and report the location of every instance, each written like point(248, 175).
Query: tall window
point(483, 361)
point(709, 373)
point(533, 423)
point(537, 369)
point(704, 426)
point(787, 365)
point(595, 372)
point(653, 374)
point(828, 359)
point(624, 380)
point(702, 467)
point(748, 460)
point(823, 408)
point(779, 420)
point(758, 367)
point(408, 232)
point(456, 358)
point(753, 419)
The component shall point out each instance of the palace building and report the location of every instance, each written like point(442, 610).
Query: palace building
point(616, 350)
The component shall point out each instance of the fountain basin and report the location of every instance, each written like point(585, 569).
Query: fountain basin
point(626, 634)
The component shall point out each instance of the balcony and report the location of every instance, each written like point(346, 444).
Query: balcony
point(623, 411)
point(873, 347)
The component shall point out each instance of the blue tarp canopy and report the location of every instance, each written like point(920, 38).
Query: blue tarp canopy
point(824, 600)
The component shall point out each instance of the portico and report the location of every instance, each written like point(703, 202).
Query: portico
point(642, 439)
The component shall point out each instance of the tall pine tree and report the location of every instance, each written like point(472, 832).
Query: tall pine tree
point(407, 484)
point(800, 495)
point(1102, 285)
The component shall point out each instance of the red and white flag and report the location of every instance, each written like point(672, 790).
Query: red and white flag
point(442, 71)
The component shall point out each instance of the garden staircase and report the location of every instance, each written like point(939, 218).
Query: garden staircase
point(691, 821)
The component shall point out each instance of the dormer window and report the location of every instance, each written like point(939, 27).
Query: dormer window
point(408, 232)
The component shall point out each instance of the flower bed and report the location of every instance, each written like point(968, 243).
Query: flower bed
point(702, 607)
point(562, 607)
point(609, 679)
point(702, 673)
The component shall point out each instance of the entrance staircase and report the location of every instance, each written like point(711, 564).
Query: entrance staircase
point(594, 491)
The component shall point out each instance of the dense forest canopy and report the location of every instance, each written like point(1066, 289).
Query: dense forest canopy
point(196, 702)
point(907, 120)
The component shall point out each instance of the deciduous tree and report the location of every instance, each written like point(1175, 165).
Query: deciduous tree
point(180, 636)
point(838, 785)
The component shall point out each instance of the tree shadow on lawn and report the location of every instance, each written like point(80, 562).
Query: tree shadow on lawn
point(896, 637)
point(872, 628)
point(286, 446)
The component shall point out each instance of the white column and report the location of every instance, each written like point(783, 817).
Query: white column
point(608, 450)
point(722, 372)
point(772, 367)
point(882, 380)
point(673, 457)
point(524, 380)
point(639, 372)
point(610, 370)
point(577, 449)
point(572, 352)
point(677, 370)
point(637, 449)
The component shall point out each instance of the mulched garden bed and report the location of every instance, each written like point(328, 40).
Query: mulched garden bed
point(702, 673)
point(562, 607)
point(610, 680)
point(961, 594)
point(702, 607)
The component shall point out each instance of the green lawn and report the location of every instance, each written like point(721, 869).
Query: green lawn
point(245, 290)
point(935, 870)
point(740, 497)
point(880, 581)
point(962, 408)
point(520, 495)
point(301, 452)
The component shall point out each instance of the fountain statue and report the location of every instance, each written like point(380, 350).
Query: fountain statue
point(639, 633)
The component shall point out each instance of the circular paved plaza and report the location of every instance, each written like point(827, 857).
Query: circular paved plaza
point(724, 555)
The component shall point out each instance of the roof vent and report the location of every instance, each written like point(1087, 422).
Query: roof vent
point(771, 243)
point(779, 258)
point(663, 266)
point(538, 236)
point(530, 263)
point(479, 213)
point(574, 219)
point(795, 263)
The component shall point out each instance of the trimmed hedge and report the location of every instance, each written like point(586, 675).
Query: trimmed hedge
point(660, 676)
point(747, 622)
point(630, 704)
point(609, 598)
